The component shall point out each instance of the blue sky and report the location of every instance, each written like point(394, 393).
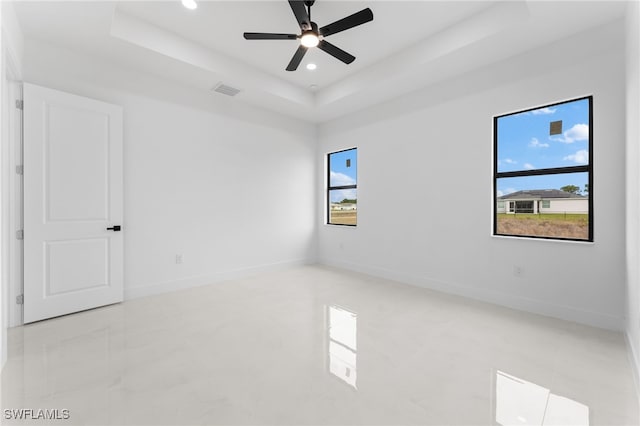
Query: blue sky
point(341, 175)
point(524, 143)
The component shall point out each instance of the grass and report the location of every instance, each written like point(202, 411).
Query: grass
point(559, 225)
point(570, 217)
point(570, 225)
point(344, 217)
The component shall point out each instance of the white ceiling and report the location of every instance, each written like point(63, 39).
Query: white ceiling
point(219, 26)
point(408, 45)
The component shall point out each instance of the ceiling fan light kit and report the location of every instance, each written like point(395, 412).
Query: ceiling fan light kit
point(309, 39)
point(311, 36)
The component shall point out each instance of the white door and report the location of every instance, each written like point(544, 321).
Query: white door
point(72, 195)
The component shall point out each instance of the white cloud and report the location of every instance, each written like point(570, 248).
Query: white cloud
point(579, 132)
point(580, 157)
point(510, 161)
point(340, 179)
point(543, 111)
point(339, 195)
point(529, 166)
point(535, 143)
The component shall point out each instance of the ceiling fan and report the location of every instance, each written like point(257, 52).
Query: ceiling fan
point(312, 36)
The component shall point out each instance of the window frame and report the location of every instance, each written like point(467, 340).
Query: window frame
point(333, 188)
point(546, 171)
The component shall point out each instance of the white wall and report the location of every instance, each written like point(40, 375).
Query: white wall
point(228, 186)
point(432, 151)
point(567, 206)
point(10, 70)
point(633, 181)
point(4, 284)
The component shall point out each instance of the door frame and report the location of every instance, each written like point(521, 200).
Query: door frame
point(12, 199)
point(16, 213)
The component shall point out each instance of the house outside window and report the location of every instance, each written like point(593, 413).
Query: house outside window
point(543, 171)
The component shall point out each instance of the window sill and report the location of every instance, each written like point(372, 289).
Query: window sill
point(546, 240)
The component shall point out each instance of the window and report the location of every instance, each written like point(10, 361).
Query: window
point(543, 170)
point(342, 189)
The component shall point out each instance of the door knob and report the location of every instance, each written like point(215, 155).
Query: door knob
point(115, 228)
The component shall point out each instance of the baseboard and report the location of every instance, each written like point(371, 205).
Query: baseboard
point(133, 292)
point(567, 313)
point(633, 360)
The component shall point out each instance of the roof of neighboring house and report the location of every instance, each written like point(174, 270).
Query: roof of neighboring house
point(540, 194)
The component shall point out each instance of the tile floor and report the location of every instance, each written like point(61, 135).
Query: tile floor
point(315, 345)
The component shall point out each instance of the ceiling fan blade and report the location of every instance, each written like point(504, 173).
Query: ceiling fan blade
point(299, 10)
point(269, 36)
point(358, 18)
point(336, 52)
point(297, 58)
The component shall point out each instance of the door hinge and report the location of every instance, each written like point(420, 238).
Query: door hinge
point(20, 234)
point(19, 104)
point(20, 170)
point(20, 299)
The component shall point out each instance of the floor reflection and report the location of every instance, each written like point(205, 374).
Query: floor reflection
point(519, 402)
point(342, 331)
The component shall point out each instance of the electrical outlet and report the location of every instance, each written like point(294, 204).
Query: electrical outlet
point(518, 271)
point(178, 259)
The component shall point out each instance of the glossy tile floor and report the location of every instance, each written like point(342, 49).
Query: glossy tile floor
point(314, 345)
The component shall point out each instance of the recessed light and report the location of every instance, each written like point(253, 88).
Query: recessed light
point(190, 4)
point(311, 67)
point(313, 87)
